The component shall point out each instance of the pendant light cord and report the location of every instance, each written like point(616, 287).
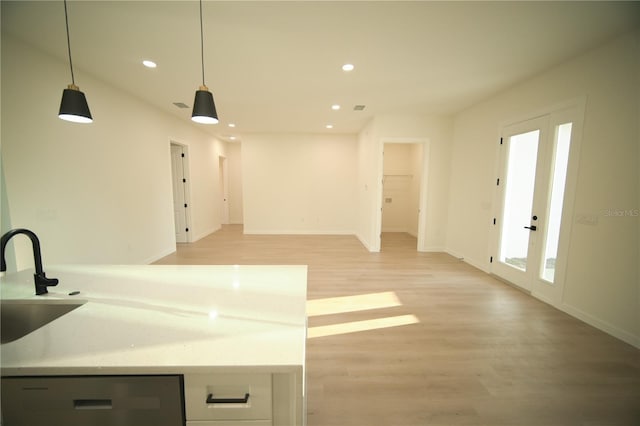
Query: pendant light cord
point(201, 43)
point(66, 19)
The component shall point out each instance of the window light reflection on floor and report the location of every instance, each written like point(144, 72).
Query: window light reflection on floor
point(355, 326)
point(360, 302)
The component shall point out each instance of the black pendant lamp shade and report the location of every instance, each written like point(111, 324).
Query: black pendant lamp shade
point(204, 109)
point(73, 106)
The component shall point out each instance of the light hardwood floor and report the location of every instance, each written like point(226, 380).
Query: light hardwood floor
point(473, 350)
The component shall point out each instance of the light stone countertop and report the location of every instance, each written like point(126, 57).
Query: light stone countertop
point(163, 319)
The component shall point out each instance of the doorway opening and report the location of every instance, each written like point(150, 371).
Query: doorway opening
point(180, 185)
point(403, 194)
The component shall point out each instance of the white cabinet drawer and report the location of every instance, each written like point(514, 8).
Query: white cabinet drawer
point(228, 397)
point(231, 423)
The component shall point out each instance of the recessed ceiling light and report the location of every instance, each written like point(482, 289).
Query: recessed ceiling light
point(149, 64)
point(335, 107)
point(231, 125)
point(233, 138)
point(348, 67)
point(329, 126)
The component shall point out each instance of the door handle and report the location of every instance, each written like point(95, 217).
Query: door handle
point(92, 404)
point(212, 400)
point(532, 227)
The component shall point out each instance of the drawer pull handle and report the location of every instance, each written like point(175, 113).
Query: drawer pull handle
point(92, 404)
point(212, 400)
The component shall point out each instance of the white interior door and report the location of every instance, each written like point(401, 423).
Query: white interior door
point(531, 194)
point(224, 189)
point(180, 204)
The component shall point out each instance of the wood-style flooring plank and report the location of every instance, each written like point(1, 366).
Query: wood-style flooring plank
point(440, 342)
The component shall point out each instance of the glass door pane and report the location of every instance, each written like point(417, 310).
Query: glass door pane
point(560, 161)
point(518, 199)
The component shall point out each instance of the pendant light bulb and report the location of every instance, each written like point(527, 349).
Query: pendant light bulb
point(73, 106)
point(204, 108)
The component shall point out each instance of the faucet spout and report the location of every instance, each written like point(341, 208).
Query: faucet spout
point(40, 279)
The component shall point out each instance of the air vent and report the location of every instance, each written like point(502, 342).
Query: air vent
point(358, 107)
point(181, 105)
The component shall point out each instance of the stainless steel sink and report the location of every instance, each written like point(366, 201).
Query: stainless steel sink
point(21, 317)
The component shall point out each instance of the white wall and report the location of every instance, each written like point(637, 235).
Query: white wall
point(602, 280)
point(366, 188)
point(97, 193)
point(299, 184)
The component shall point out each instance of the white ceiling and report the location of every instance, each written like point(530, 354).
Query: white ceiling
point(276, 66)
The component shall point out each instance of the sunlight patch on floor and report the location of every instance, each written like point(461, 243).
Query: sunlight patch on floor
point(360, 302)
point(356, 326)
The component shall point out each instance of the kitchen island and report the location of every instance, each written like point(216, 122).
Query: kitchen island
point(232, 336)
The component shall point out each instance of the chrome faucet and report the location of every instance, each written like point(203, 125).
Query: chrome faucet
point(40, 279)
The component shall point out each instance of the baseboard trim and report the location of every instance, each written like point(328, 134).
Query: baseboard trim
point(294, 232)
point(475, 263)
point(433, 249)
point(205, 234)
point(579, 314)
point(155, 258)
point(602, 325)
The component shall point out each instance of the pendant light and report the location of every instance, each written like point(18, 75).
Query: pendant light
point(73, 106)
point(204, 109)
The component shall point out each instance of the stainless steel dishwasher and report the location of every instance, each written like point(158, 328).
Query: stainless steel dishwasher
point(93, 401)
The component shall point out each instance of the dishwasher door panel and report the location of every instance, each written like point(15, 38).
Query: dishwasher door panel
point(93, 400)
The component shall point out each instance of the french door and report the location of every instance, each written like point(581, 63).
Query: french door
point(531, 222)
